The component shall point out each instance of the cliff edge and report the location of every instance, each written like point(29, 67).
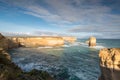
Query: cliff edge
point(42, 41)
point(110, 64)
point(38, 41)
point(10, 71)
point(6, 43)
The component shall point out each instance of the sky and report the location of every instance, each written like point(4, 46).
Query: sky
point(80, 18)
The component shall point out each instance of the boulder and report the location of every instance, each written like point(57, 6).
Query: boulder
point(110, 64)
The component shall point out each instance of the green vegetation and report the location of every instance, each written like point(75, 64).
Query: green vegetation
point(10, 71)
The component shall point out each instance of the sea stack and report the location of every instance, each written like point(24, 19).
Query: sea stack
point(110, 64)
point(92, 41)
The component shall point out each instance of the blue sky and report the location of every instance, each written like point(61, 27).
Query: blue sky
point(81, 18)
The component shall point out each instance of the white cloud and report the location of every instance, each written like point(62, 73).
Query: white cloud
point(88, 15)
point(63, 10)
point(14, 27)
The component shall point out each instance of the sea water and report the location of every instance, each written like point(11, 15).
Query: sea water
point(70, 62)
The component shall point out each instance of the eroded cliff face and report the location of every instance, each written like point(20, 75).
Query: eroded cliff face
point(3, 42)
point(91, 41)
point(110, 64)
point(70, 39)
point(39, 41)
point(6, 43)
point(42, 41)
point(10, 71)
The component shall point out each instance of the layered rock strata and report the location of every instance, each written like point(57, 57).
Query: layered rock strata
point(10, 71)
point(6, 43)
point(42, 41)
point(70, 39)
point(3, 42)
point(91, 41)
point(38, 41)
point(110, 64)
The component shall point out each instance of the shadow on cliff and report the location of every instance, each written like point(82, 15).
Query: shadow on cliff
point(109, 73)
point(10, 71)
point(6, 43)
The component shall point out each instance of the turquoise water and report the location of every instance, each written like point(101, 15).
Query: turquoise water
point(71, 62)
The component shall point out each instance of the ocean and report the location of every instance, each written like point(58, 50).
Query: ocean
point(70, 62)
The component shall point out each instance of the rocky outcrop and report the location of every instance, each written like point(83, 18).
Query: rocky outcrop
point(38, 41)
point(92, 41)
point(110, 64)
point(70, 39)
point(3, 42)
point(10, 71)
point(6, 55)
point(6, 43)
point(42, 41)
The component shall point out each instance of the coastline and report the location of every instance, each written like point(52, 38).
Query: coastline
point(7, 67)
point(10, 71)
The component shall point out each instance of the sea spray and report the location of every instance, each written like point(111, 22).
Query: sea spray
point(77, 62)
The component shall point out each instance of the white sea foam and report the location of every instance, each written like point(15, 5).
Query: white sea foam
point(71, 44)
point(27, 67)
point(45, 47)
point(59, 49)
point(84, 44)
point(18, 59)
point(75, 44)
point(81, 76)
point(96, 47)
point(99, 47)
point(66, 45)
point(30, 66)
point(71, 59)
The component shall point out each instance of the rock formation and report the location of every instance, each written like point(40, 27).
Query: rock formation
point(6, 43)
point(3, 42)
point(70, 39)
point(10, 71)
point(110, 64)
point(38, 41)
point(42, 41)
point(92, 41)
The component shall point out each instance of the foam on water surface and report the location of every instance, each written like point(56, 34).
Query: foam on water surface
point(71, 62)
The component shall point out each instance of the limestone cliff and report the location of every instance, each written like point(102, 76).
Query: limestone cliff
point(38, 41)
point(6, 43)
point(10, 71)
point(42, 41)
point(70, 39)
point(110, 64)
point(92, 41)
